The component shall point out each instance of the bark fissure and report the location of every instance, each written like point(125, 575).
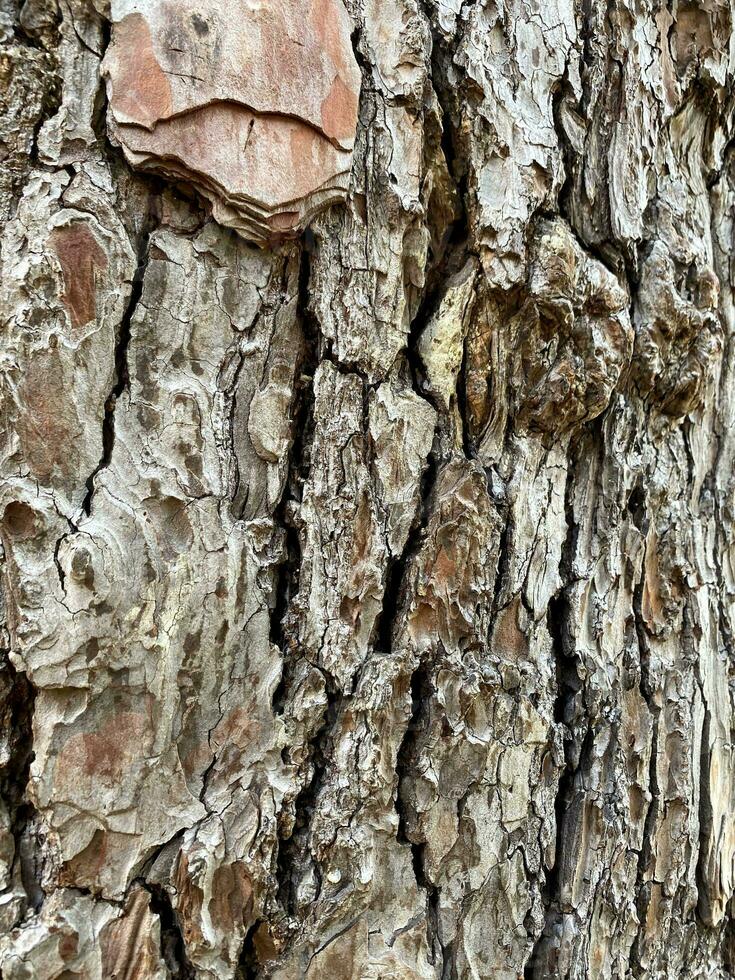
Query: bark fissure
point(293, 854)
point(287, 583)
point(422, 692)
point(173, 945)
point(18, 709)
point(121, 382)
point(566, 715)
point(248, 965)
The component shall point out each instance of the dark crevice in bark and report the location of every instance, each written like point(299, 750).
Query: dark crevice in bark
point(99, 113)
point(293, 856)
point(451, 247)
point(422, 691)
point(299, 462)
point(566, 708)
point(426, 310)
point(173, 947)
point(19, 697)
point(543, 960)
point(705, 813)
point(728, 946)
point(59, 567)
point(293, 859)
point(503, 564)
point(637, 508)
point(568, 683)
point(391, 603)
point(51, 105)
point(364, 64)
point(208, 772)
point(230, 391)
point(567, 715)
point(122, 380)
point(455, 156)
point(469, 444)
point(248, 967)
point(398, 567)
point(454, 245)
point(285, 589)
point(35, 39)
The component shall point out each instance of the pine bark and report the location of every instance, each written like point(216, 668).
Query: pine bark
point(367, 597)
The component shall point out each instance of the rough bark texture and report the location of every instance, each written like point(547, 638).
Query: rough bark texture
point(368, 596)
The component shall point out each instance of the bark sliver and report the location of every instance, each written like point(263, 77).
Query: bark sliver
point(256, 107)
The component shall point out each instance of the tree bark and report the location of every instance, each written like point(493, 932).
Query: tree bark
point(368, 594)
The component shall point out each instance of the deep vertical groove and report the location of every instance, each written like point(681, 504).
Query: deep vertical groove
point(566, 715)
point(18, 704)
point(173, 947)
point(121, 372)
point(248, 967)
point(292, 851)
point(422, 691)
point(287, 584)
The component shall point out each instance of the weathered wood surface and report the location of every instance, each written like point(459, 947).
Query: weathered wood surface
point(367, 595)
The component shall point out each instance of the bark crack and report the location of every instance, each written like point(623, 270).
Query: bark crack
point(19, 697)
point(121, 375)
point(173, 946)
point(421, 693)
point(293, 859)
point(567, 710)
point(299, 459)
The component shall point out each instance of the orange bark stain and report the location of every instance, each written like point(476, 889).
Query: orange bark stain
point(107, 752)
point(339, 111)
point(189, 902)
point(127, 945)
point(141, 91)
point(107, 755)
point(509, 641)
point(81, 256)
point(48, 418)
point(231, 903)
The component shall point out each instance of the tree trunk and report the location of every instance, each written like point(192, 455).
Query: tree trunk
point(368, 566)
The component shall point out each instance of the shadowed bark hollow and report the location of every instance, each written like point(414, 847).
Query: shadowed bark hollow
point(368, 486)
